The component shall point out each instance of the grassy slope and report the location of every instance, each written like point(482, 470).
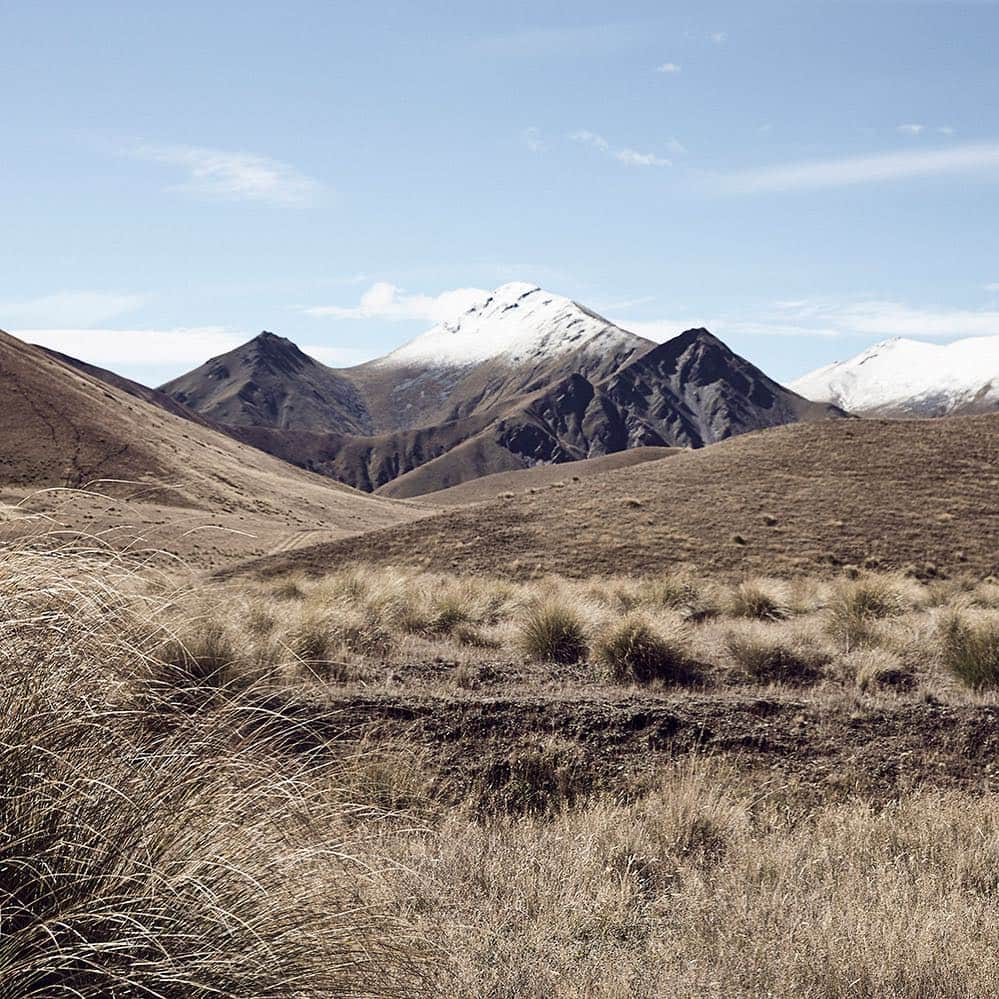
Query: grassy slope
point(785, 500)
point(538, 477)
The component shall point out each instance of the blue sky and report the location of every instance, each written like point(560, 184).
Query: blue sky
point(803, 178)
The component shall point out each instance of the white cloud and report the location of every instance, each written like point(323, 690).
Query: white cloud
point(719, 37)
point(385, 301)
point(630, 157)
point(668, 67)
point(911, 129)
point(992, 286)
point(69, 308)
point(877, 318)
point(946, 129)
point(137, 347)
point(873, 319)
point(233, 175)
point(533, 139)
point(633, 158)
point(819, 174)
point(591, 139)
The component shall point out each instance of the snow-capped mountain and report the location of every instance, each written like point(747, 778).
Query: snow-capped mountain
point(522, 377)
point(902, 377)
point(518, 323)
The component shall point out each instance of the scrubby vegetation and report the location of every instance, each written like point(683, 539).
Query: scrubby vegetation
point(971, 650)
point(636, 650)
point(151, 848)
point(553, 632)
point(186, 813)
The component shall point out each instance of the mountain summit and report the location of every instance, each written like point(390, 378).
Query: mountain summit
point(522, 377)
point(900, 377)
point(270, 382)
point(518, 323)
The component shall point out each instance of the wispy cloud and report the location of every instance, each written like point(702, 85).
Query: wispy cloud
point(877, 318)
point(873, 319)
point(914, 128)
point(68, 308)
point(630, 157)
point(232, 175)
point(591, 139)
point(668, 67)
point(818, 174)
point(386, 301)
point(634, 158)
point(718, 37)
point(992, 287)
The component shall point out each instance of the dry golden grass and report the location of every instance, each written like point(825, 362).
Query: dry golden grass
point(708, 887)
point(363, 623)
point(171, 828)
point(158, 846)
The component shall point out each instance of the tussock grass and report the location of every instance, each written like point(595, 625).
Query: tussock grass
point(147, 851)
point(878, 669)
point(709, 886)
point(766, 656)
point(762, 599)
point(857, 604)
point(553, 632)
point(636, 651)
point(971, 650)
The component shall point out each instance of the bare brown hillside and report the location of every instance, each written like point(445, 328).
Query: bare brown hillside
point(79, 453)
point(503, 484)
point(784, 500)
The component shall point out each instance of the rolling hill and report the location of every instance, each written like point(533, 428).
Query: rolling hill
point(785, 500)
point(80, 452)
point(538, 477)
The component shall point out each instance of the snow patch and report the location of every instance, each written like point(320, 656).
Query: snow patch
point(909, 374)
point(520, 323)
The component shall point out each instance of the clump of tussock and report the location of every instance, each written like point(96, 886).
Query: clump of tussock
point(855, 606)
point(764, 655)
point(635, 651)
point(762, 599)
point(970, 650)
point(878, 669)
point(200, 663)
point(551, 631)
point(682, 591)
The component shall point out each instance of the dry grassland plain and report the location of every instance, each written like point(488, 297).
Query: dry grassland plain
point(388, 782)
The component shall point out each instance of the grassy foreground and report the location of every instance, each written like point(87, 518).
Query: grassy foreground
point(168, 831)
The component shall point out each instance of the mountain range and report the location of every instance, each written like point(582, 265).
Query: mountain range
point(911, 378)
point(524, 377)
point(485, 414)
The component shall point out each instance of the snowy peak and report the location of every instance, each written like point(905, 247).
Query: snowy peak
point(911, 378)
point(517, 323)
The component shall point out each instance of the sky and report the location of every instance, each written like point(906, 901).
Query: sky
point(802, 178)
